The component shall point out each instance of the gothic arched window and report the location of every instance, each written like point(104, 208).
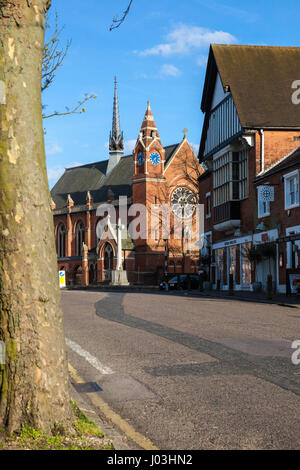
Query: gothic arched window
point(108, 257)
point(79, 238)
point(61, 241)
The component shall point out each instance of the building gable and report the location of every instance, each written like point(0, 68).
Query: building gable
point(259, 80)
point(219, 93)
point(222, 125)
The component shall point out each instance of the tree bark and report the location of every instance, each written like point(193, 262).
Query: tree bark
point(34, 386)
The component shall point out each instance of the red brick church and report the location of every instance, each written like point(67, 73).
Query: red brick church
point(153, 174)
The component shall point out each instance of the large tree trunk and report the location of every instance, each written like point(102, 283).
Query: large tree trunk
point(34, 387)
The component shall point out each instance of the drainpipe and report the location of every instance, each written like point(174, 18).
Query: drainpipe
point(262, 150)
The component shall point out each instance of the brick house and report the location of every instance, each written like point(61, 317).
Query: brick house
point(284, 214)
point(153, 174)
point(250, 137)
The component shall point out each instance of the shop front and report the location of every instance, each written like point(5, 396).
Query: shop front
point(265, 244)
point(231, 258)
point(289, 261)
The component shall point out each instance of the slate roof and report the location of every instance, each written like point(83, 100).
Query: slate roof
point(92, 177)
point(169, 152)
point(260, 79)
point(291, 160)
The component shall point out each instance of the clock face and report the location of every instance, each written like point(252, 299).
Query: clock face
point(140, 159)
point(155, 158)
point(183, 202)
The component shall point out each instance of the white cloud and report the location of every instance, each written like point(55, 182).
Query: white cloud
point(202, 60)
point(53, 149)
point(170, 70)
point(54, 174)
point(185, 39)
point(129, 146)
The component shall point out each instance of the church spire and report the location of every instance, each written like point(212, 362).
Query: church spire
point(116, 137)
point(149, 130)
point(149, 154)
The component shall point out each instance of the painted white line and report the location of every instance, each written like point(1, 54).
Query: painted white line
point(88, 357)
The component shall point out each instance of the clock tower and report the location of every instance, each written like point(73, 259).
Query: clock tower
point(149, 154)
point(149, 183)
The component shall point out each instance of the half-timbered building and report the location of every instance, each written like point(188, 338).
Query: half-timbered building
point(251, 122)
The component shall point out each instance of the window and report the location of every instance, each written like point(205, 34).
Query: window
point(205, 247)
point(219, 259)
point(61, 242)
point(291, 189)
point(79, 238)
point(232, 260)
point(108, 257)
point(230, 176)
point(208, 205)
point(263, 207)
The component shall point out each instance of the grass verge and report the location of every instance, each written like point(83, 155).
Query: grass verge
point(87, 436)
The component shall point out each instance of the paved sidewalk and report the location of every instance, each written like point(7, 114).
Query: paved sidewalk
point(112, 435)
point(277, 299)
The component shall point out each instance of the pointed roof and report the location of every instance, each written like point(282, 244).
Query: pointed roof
point(258, 75)
point(292, 159)
point(116, 136)
point(148, 118)
point(148, 129)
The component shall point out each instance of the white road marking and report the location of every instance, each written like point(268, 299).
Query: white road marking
point(89, 358)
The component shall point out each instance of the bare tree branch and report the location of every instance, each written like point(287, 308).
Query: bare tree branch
point(75, 110)
point(53, 55)
point(118, 21)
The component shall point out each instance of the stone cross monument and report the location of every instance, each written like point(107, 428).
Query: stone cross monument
point(119, 276)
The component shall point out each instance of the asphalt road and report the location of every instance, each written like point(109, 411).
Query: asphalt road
point(186, 372)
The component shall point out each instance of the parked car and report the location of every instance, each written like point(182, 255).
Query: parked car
point(183, 282)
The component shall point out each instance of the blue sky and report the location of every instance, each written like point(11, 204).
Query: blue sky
point(159, 54)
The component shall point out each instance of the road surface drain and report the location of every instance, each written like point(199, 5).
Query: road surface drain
point(87, 387)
